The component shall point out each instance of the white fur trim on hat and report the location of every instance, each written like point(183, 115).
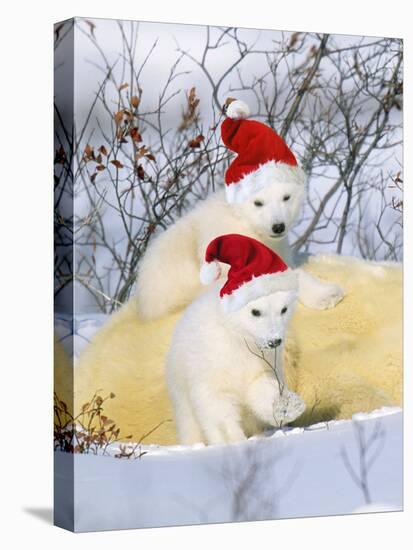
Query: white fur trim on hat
point(267, 174)
point(238, 109)
point(210, 272)
point(257, 287)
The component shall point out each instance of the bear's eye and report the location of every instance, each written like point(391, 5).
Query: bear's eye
point(256, 312)
point(258, 203)
point(284, 310)
point(286, 198)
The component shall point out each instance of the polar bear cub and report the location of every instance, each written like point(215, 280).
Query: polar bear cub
point(264, 191)
point(224, 368)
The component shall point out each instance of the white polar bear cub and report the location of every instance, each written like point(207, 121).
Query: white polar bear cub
point(224, 367)
point(265, 189)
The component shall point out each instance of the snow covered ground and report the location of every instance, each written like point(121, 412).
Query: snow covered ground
point(331, 468)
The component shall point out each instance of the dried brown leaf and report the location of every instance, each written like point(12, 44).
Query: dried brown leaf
point(60, 156)
point(88, 152)
point(140, 172)
point(117, 163)
point(135, 135)
point(293, 39)
point(196, 142)
point(123, 116)
point(141, 152)
point(134, 101)
point(118, 117)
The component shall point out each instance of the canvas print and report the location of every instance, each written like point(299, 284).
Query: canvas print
point(228, 274)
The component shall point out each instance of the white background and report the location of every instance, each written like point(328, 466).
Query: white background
point(26, 126)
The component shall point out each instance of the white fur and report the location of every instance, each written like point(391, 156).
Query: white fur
point(267, 174)
point(221, 391)
point(317, 294)
point(168, 277)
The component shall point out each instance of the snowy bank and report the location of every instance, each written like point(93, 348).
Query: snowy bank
point(331, 468)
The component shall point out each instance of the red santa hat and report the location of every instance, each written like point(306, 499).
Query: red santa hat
point(263, 156)
point(255, 270)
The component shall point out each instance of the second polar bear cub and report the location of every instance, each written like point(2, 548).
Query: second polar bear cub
point(224, 369)
point(264, 191)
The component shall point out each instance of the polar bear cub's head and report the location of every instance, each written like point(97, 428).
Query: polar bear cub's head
point(264, 321)
point(273, 210)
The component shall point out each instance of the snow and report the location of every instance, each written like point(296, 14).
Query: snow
point(292, 473)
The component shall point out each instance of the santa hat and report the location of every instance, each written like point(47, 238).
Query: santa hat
point(255, 270)
point(263, 156)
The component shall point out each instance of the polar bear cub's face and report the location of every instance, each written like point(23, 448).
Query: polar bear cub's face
point(273, 210)
point(265, 320)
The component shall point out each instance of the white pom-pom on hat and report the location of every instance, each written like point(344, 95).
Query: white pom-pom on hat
point(237, 109)
point(210, 272)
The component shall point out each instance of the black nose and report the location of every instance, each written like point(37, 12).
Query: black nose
point(274, 343)
point(278, 228)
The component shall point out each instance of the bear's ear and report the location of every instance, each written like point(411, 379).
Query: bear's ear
point(210, 272)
